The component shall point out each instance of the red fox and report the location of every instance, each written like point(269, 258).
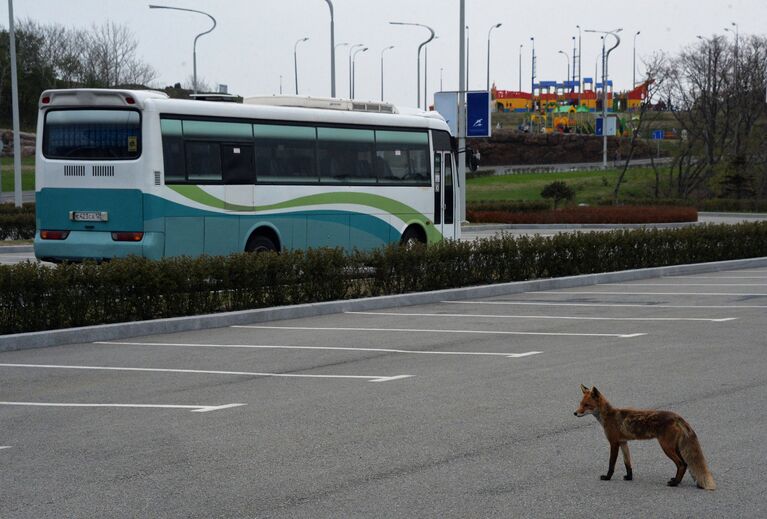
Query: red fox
point(676, 437)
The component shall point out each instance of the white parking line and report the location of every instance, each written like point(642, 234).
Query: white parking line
point(647, 293)
point(415, 330)
point(725, 277)
point(384, 350)
point(4, 447)
point(641, 305)
point(192, 408)
point(685, 284)
point(554, 317)
point(370, 378)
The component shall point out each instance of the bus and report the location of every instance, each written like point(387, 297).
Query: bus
point(128, 172)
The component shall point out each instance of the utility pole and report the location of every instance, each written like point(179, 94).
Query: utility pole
point(332, 51)
point(462, 111)
point(15, 102)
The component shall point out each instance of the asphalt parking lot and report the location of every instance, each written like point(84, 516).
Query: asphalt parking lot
point(461, 409)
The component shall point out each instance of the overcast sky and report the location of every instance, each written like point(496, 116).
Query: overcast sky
point(252, 46)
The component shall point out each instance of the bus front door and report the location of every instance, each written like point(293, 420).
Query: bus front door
point(445, 194)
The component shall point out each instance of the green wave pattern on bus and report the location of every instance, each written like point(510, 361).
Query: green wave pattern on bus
point(393, 207)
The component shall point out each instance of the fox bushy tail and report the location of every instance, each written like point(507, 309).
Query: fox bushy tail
point(692, 454)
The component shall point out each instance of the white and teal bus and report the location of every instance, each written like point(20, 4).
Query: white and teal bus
point(122, 172)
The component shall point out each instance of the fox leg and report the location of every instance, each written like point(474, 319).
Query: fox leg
point(613, 458)
point(669, 447)
point(627, 461)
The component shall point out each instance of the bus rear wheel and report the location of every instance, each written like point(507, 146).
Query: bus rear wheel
point(260, 243)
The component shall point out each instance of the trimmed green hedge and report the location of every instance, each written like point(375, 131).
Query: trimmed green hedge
point(17, 223)
point(712, 204)
point(36, 297)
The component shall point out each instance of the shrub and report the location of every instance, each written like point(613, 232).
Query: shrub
point(19, 226)
point(38, 297)
point(559, 191)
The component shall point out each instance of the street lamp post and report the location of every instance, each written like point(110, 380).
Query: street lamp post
point(572, 87)
point(194, 48)
point(567, 60)
point(461, 126)
point(604, 87)
point(519, 87)
point(382, 69)
point(17, 198)
point(425, 76)
point(488, 52)
point(418, 68)
point(295, 60)
point(467, 57)
point(532, 69)
point(580, 56)
point(351, 66)
point(364, 49)
point(634, 62)
point(332, 51)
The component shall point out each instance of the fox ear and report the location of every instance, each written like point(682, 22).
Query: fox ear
point(584, 389)
point(595, 392)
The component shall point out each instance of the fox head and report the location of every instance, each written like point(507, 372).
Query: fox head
point(589, 402)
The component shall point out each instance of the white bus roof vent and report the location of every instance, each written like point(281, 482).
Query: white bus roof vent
point(372, 106)
point(323, 103)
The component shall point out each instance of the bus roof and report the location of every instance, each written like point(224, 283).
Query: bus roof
point(404, 117)
point(308, 112)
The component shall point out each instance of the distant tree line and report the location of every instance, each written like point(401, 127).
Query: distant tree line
point(717, 89)
point(55, 56)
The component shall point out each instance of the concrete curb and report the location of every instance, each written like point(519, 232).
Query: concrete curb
point(109, 332)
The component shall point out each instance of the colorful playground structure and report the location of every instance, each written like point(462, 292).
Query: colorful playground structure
point(549, 96)
point(562, 107)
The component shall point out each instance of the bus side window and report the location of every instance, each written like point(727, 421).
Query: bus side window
point(203, 161)
point(237, 163)
point(173, 160)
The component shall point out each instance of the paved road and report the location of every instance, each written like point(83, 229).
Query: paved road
point(569, 166)
point(9, 198)
point(444, 410)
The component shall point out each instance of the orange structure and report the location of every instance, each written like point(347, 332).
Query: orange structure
point(631, 100)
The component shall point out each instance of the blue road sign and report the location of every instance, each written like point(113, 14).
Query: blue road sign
point(658, 134)
point(478, 114)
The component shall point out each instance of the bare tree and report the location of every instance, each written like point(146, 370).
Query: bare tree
point(109, 57)
point(654, 68)
point(716, 90)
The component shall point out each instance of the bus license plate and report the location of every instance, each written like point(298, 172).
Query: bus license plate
point(88, 216)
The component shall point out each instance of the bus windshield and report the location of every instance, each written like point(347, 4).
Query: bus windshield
point(92, 134)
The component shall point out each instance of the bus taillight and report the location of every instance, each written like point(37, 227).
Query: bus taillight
point(54, 235)
point(127, 236)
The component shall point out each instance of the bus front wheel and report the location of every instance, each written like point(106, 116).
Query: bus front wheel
point(413, 236)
